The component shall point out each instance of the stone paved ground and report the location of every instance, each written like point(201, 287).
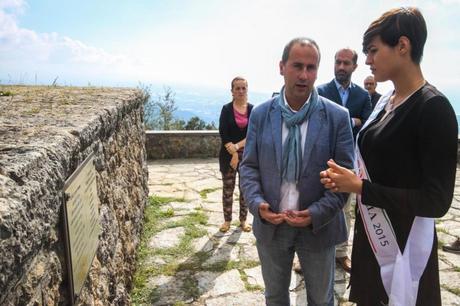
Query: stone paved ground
point(228, 273)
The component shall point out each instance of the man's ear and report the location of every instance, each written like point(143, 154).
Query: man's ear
point(281, 68)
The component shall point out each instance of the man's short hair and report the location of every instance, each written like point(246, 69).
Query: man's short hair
point(408, 22)
point(303, 41)
point(355, 54)
point(370, 77)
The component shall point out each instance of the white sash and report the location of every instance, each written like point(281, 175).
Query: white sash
point(400, 273)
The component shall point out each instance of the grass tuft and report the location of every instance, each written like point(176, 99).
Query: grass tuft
point(455, 291)
point(204, 193)
point(5, 93)
point(181, 258)
point(247, 285)
point(190, 287)
point(154, 222)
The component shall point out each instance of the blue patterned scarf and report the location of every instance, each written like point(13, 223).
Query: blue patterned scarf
point(292, 147)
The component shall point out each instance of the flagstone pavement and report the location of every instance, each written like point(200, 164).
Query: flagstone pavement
point(198, 183)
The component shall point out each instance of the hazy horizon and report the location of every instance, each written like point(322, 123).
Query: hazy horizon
point(200, 45)
point(200, 42)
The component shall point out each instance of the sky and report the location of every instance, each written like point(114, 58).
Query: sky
point(201, 42)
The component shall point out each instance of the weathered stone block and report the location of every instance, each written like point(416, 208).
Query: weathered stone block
point(45, 134)
point(182, 144)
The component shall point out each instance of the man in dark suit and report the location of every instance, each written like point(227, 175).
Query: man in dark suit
point(370, 85)
point(342, 91)
point(346, 93)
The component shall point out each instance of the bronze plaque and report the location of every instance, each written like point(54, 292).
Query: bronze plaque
point(81, 216)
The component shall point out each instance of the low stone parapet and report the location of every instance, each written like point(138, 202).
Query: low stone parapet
point(182, 144)
point(45, 135)
point(188, 144)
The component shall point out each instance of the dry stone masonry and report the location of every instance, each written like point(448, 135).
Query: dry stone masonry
point(182, 144)
point(45, 134)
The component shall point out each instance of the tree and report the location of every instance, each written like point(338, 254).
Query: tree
point(159, 112)
point(166, 106)
point(195, 123)
point(211, 126)
point(178, 124)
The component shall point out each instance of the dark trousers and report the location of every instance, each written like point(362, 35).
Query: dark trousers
point(229, 179)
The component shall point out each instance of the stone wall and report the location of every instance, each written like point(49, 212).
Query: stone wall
point(45, 134)
point(189, 144)
point(182, 144)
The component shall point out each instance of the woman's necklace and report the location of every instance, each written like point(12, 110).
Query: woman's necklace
point(394, 103)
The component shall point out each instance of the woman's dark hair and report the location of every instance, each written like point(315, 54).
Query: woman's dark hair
point(404, 21)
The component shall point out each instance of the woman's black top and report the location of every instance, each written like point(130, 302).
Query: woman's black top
point(411, 158)
point(229, 132)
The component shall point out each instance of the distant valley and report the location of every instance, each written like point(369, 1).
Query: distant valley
point(207, 103)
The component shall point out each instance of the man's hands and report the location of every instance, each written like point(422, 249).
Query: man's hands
point(298, 218)
point(266, 213)
point(293, 218)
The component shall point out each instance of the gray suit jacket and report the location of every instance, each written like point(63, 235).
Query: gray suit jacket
point(328, 136)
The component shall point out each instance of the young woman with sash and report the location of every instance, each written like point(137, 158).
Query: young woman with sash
point(406, 157)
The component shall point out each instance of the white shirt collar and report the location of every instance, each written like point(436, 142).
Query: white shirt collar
point(287, 104)
point(338, 85)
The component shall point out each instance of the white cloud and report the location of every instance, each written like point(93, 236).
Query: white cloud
point(229, 38)
point(27, 51)
point(17, 5)
point(82, 53)
point(450, 1)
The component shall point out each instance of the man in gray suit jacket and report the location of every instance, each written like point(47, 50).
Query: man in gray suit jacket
point(357, 100)
point(290, 138)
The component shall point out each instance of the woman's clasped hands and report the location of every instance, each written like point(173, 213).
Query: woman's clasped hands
point(231, 148)
point(339, 179)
